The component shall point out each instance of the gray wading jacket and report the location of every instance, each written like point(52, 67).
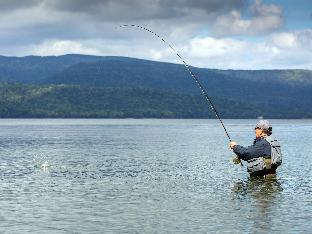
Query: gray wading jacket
point(260, 148)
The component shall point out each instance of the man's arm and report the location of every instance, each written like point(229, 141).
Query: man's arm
point(256, 150)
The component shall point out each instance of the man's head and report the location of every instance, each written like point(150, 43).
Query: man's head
point(263, 127)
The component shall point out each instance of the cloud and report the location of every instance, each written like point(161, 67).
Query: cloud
point(265, 18)
point(63, 47)
point(283, 50)
point(125, 10)
point(121, 10)
point(305, 38)
point(201, 30)
point(293, 40)
point(36, 21)
point(17, 4)
point(285, 40)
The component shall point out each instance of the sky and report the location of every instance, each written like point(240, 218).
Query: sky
point(222, 34)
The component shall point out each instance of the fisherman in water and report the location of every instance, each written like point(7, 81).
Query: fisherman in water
point(264, 156)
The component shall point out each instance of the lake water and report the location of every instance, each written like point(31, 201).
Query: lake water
point(148, 176)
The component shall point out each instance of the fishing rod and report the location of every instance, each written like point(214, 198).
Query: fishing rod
point(188, 68)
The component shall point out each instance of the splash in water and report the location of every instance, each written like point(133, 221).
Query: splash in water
point(41, 162)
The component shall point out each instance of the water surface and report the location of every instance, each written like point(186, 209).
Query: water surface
point(148, 176)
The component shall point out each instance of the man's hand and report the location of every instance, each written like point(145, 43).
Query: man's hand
point(232, 144)
point(236, 160)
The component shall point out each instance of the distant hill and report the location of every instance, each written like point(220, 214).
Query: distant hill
point(33, 69)
point(71, 101)
point(116, 71)
point(236, 93)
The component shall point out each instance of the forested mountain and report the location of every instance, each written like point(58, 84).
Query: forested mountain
point(18, 100)
point(33, 69)
point(93, 86)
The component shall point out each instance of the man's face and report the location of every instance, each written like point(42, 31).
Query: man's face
point(258, 132)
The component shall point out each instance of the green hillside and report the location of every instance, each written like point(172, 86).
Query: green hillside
point(71, 101)
point(117, 87)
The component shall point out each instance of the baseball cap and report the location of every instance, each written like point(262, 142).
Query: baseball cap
point(263, 124)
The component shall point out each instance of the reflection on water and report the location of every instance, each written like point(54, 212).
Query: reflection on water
point(148, 176)
point(264, 194)
point(258, 187)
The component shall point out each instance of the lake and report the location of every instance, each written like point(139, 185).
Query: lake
point(148, 176)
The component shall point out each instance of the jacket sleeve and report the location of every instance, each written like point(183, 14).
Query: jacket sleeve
point(259, 149)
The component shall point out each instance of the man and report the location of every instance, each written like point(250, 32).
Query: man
point(264, 156)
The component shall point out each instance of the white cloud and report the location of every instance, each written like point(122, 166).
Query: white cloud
point(285, 40)
point(265, 18)
point(293, 40)
point(44, 30)
point(280, 51)
point(62, 47)
point(285, 50)
point(213, 47)
point(305, 38)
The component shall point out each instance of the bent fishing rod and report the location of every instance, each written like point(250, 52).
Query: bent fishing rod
point(187, 67)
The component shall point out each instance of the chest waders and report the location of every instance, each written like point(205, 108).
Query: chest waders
point(267, 164)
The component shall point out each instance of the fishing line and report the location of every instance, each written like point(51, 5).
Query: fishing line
point(188, 68)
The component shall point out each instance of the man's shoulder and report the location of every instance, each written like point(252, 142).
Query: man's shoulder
point(263, 141)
